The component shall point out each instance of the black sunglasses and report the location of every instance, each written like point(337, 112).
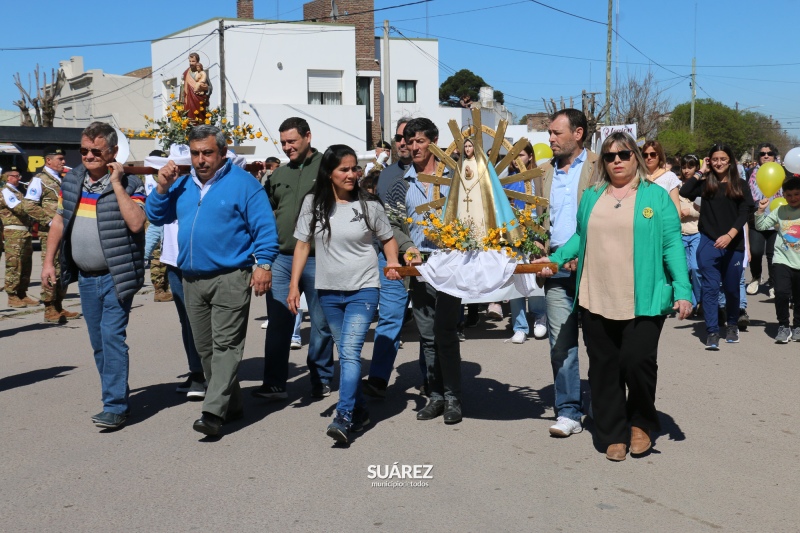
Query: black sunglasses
point(95, 151)
point(763, 154)
point(398, 138)
point(624, 155)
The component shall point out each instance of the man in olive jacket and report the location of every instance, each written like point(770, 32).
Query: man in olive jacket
point(287, 187)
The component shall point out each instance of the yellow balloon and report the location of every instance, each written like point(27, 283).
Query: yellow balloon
point(770, 178)
point(777, 202)
point(542, 151)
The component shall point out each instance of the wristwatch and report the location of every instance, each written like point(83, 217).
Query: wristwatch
point(264, 266)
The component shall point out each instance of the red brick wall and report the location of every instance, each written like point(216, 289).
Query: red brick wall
point(244, 9)
point(320, 10)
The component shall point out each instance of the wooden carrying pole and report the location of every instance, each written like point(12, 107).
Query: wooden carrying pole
point(184, 169)
point(520, 269)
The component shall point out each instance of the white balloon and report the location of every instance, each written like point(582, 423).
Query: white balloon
point(792, 160)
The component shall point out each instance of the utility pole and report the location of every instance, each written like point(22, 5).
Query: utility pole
point(694, 93)
point(608, 55)
point(387, 84)
point(223, 101)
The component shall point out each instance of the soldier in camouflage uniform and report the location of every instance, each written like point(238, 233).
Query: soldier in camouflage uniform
point(158, 277)
point(44, 190)
point(17, 219)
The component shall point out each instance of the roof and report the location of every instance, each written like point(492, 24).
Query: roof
point(265, 21)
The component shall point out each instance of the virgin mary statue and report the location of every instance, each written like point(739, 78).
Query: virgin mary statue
point(476, 194)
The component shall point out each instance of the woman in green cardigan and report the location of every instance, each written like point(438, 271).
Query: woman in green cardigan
point(631, 273)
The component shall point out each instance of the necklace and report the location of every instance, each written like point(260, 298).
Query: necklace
point(619, 200)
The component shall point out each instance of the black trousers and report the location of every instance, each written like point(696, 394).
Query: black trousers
point(761, 243)
point(437, 315)
point(787, 288)
point(622, 352)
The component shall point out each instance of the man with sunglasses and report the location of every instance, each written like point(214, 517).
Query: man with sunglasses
point(565, 179)
point(393, 295)
point(98, 231)
point(761, 242)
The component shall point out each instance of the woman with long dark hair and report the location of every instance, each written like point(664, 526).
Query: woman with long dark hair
point(726, 206)
point(690, 215)
point(342, 219)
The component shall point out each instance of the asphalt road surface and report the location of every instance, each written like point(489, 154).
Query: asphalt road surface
point(726, 459)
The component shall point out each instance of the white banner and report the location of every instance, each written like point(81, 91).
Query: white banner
point(605, 131)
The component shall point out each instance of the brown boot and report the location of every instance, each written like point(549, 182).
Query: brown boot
point(15, 301)
point(70, 315)
point(616, 452)
point(162, 296)
point(30, 302)
point(640, 440)
point(52, 315)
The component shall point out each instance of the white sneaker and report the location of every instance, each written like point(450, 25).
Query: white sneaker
point(771, 292)
point(752, 287)
point(296, 345)
point(265, 324)
point(519, 337)
point(565, 427)
point(495, 311)
point(540, 327)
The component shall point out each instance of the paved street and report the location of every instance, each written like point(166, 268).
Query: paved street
point(726, 459)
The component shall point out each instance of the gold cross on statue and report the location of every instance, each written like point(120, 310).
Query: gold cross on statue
point(467, 201)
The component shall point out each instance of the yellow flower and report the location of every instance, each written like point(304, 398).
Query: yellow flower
point(229, 141)
point(258, 134)
point(172, 95)
point(224, 121)
point(409, 220)
point(207, 121)
point(196, 112)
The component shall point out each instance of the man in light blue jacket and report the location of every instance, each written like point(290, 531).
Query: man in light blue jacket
point(227, 242)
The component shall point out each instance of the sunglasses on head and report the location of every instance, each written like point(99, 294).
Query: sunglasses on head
point(624, 155)
point(95, 152)
point(764, 154)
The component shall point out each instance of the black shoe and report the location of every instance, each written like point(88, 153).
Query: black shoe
point(339, 429)
point(472, 320)
point(321, 391)
point(127, 413)
point(108, 420)
point(733, 334)
point(452, 412)
point(375, 387)
point(712, 342)
point(270, 393)
point(208, 424)
point(360, 419)
point(461, 336)
point(744, 320)
point(432, 410)
point(186, 386)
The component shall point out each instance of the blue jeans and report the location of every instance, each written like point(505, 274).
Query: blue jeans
point(391, 312)
point(281, 326)
point(298, 323)
point(349, 315)
point(690, 244)
point(175, 279)
point(719, 267)
point(519, 319)
point(562, 324)
point(742, 294)
point(106, 320)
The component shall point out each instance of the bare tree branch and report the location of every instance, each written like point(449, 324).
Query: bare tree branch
point(640, 101)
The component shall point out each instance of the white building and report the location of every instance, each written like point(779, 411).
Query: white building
point(90, 95)
point(276, 70)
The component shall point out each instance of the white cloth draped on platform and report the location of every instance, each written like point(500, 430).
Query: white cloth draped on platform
point(477, 276)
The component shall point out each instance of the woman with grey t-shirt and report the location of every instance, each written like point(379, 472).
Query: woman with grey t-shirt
point(342, 219)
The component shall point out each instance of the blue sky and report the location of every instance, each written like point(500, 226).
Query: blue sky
point(746, 52)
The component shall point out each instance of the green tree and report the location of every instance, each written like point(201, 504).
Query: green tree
point(717, 123)
point(461, 89)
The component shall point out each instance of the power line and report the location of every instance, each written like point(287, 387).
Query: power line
point(86, 45)
point(470, 12)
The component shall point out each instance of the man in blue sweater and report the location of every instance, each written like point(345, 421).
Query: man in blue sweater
point(227, 242)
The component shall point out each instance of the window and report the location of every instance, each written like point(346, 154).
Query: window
point(363, 95)
point(325, 87)
point(406, 91)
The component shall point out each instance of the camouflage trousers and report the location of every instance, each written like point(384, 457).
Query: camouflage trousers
point(19, 261)
point(55, 295)
point(158, 271)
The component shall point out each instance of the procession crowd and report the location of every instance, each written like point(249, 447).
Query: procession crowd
point(634, 238)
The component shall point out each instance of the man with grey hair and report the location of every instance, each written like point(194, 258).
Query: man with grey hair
point(227, 242)
point(99, 230)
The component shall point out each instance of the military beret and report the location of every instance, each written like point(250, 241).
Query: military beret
point(158, 153)
point(53, 150)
